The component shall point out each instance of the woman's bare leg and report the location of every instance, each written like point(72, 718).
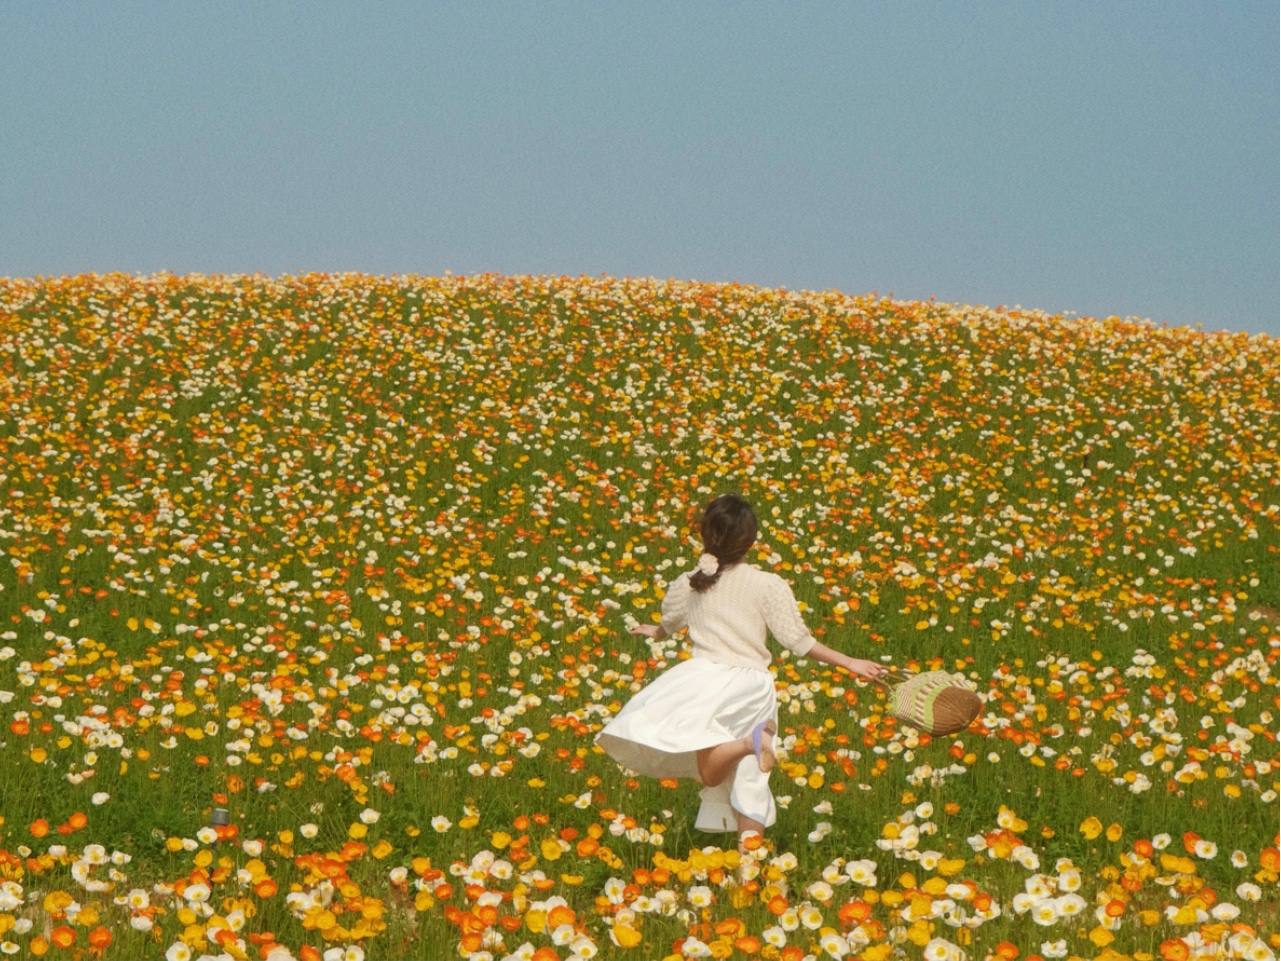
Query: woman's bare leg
point(747, 826)
point(748, 866)
point(715, 764)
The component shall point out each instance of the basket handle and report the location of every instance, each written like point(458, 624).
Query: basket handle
point(898, 675)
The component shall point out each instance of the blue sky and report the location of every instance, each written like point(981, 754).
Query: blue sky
point(1093, 158)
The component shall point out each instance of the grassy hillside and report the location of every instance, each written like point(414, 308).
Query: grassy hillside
point(353, 559)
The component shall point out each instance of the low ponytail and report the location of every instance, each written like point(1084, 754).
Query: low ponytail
point(707, 574)
point(728, 528)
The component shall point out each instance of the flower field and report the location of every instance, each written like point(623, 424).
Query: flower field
point(351, 559)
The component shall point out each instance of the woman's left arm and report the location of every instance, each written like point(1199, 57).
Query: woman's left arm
point(855, 665)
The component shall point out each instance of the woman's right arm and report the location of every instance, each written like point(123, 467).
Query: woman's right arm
point(783, 617)
point(855, 665)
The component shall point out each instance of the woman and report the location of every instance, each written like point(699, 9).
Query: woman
point(712, 717)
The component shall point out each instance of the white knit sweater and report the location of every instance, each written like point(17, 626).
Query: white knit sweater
point(728, 622)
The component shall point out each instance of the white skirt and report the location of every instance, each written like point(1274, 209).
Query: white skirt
point(694, 705)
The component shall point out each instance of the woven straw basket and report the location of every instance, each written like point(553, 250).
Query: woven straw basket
point(935, 702)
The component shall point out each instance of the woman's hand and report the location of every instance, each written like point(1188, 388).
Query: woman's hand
point(868, 669)
point(649, 630)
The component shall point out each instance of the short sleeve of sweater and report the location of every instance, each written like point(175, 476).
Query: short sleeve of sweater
point(778, 605)
point(676, 605)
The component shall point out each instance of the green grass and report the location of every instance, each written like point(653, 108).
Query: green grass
point(269, 512)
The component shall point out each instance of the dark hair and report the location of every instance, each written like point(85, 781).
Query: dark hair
point(728, 528)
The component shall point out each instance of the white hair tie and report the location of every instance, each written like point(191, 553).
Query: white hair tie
point(709, 565)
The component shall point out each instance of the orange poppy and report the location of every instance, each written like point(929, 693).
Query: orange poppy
point(63, 936)
point(100, 938)
point(854, 912)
